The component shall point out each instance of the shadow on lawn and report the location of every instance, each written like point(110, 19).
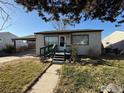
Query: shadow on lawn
point(92, 61)
point(19, 54)
point(101, 60)
point(112, 57)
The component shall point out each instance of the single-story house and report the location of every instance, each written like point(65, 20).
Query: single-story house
point(6, 39)
point(29, 41)
point(86, 41)
point(114, 40)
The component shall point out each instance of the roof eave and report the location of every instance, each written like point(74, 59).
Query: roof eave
point(24, 39)
point(67, 32)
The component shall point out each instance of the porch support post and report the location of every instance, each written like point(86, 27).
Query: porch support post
point(15, 45)
point(71, 39)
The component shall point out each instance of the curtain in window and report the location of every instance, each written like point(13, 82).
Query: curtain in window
point(80, 39)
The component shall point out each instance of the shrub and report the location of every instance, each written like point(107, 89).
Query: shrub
point(8, 49)
point(74, 53)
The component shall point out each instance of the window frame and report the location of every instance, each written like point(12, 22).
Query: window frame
point(81, 35)
point(50, 36)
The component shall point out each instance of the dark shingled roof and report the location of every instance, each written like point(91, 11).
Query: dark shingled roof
point(68, 31)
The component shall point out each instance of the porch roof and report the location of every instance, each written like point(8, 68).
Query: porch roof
point(29, 37)
point(69, 31)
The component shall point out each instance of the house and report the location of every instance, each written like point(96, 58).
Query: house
point(29, 42)
point(114, 40)
point(86, 41)
point(6, 39)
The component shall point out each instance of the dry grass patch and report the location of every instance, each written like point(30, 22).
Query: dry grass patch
point(14, 76)
point(87, 79)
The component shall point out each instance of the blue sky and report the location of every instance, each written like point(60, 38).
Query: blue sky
point(23, 23)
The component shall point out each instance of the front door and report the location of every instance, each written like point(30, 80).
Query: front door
point(62, 42)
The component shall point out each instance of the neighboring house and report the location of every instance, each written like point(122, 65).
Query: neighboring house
point(114, 40)
point(87, 41)
point(6, 39)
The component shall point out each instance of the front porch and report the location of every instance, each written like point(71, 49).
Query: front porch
point(52, 52)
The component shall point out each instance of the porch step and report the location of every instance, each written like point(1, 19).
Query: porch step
point(61, 53)
point(58, 62)
point(58, 56)
point(58, 59)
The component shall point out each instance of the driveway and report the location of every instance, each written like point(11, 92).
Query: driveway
point(26, 54)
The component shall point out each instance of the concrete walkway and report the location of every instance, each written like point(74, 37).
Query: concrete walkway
point(47, 82)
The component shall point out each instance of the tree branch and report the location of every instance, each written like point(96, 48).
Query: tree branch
point(4, 22)
point(6, 3)
point(3, 13)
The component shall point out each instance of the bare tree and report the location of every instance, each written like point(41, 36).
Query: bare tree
point(61, 24)
point(4, 15)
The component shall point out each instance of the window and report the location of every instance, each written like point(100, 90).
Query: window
point(51, 40)
point(107, 43)
point(24, 41)
point(80, 39)
point(0, 40)
point(62, 41)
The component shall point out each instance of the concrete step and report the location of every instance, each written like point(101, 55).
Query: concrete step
point(58, 62)
point(56, 56)
point(61, 53)
point(58, 59)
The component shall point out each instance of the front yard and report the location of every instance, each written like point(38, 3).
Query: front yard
point(87, 78)
point(15, 76)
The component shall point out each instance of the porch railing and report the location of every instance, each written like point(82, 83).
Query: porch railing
point(48, 51)
point(65, 54)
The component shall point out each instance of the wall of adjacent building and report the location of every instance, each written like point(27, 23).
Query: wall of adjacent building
point(39, 43)
point(6, 39)
point(114, 40)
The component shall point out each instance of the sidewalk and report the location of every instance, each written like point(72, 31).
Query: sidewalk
point(47, 82)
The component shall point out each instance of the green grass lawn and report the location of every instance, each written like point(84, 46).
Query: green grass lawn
point(14, 76)
point(75, 78)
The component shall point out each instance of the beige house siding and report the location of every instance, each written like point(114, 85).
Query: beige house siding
point(94, 47)
point(68, 39)
point(39, 43)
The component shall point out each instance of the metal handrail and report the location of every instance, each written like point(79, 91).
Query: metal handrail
point(65, 54)
point(48, 50)
point(54, 50)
